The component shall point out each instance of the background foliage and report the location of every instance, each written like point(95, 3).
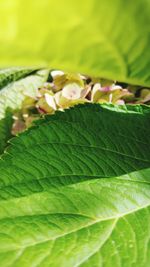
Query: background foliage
point(108, 38)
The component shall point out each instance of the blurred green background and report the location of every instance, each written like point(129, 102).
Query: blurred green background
point(108, 38)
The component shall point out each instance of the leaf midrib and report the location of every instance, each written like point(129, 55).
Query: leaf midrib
point(91, 177)
point(95, 221)
point(78, 145)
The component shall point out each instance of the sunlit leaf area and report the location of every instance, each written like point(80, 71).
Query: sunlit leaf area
point(74, 133)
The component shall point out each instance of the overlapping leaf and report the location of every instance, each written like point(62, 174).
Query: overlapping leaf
point(13, 74)
point(71, 195)
point(12, 95)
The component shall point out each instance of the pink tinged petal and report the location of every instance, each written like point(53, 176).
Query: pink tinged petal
point(72, 91)
point(105, 89)
point(41, 110)
point(50, 101)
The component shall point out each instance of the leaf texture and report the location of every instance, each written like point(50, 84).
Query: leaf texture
point(13, 74)
point(12, 95)
point(73, 195)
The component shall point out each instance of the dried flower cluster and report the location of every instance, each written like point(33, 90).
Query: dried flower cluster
point(63, 90)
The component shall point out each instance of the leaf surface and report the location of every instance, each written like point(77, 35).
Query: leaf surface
point(102, 38)
point(70, 195)
point(13, 74)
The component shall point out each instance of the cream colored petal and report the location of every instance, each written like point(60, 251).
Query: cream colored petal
point(55, 73)
point(50, 101)
point(114, 87)
point(96, 93)
point(72, 91)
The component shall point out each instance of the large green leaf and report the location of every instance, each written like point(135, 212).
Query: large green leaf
point(73, 195)
point(108, 38)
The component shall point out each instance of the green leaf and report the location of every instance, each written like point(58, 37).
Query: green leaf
point(73, 195)
point(12, 95)
point(108, 38)
point(13, 74)
point(5, 130)
point(15, 83)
